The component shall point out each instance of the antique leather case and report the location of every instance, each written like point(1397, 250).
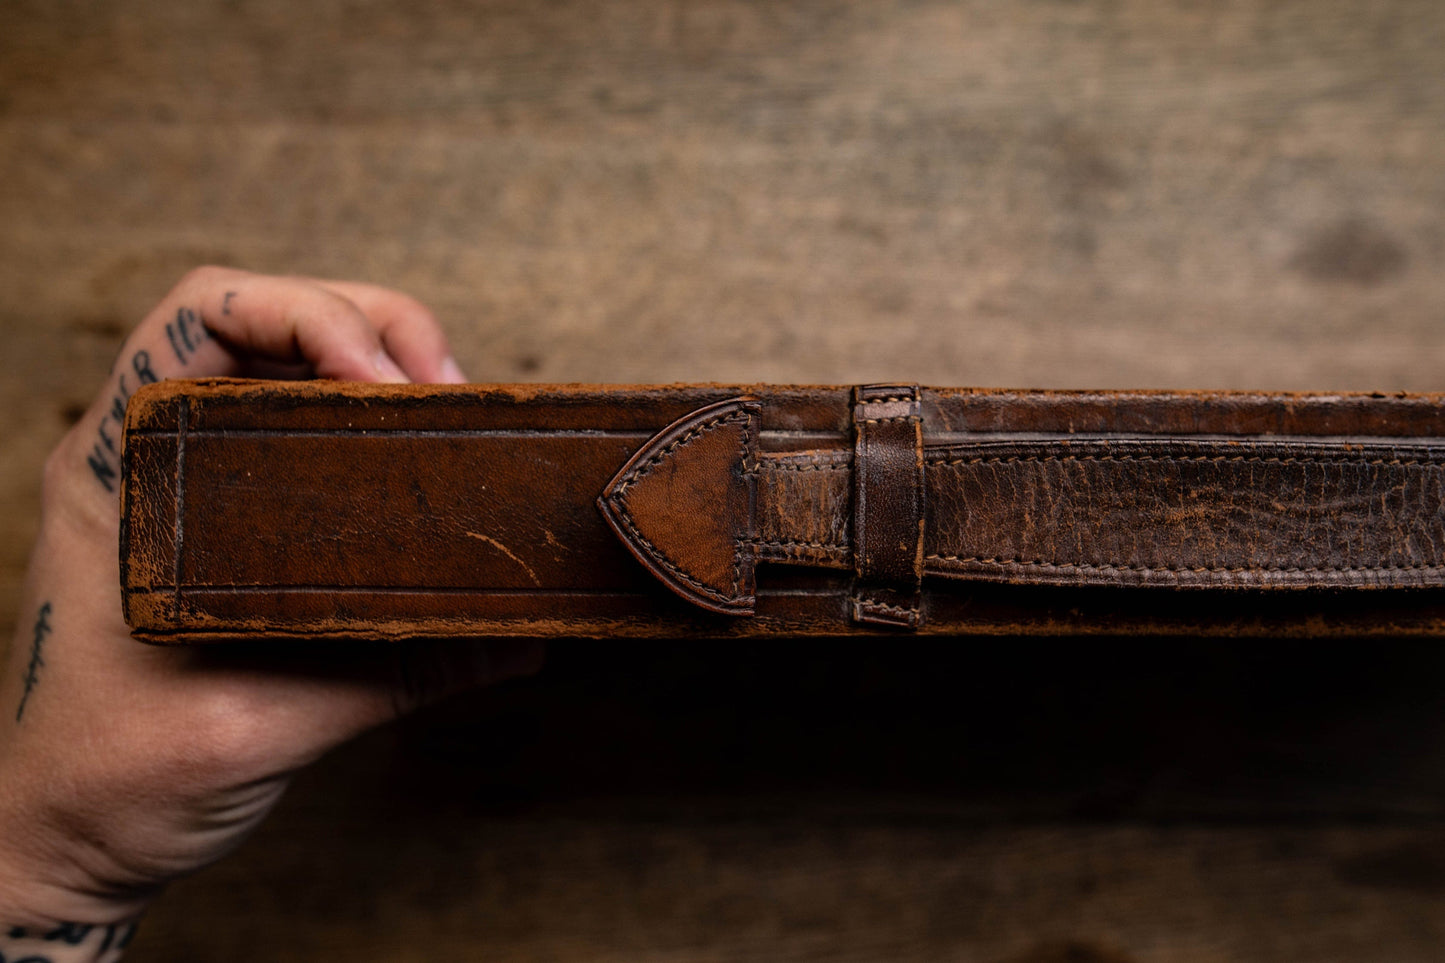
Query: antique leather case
point(324, 509)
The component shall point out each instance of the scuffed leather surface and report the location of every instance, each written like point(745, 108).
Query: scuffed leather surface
point(339, 510)
point(805, 508)
point(1208, 512)
point(1168, 512)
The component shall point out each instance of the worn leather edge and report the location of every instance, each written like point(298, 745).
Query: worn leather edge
point(972, 612)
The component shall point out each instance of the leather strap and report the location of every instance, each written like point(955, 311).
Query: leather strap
point(1163, 512)
point(888, 498)
point(382, 511)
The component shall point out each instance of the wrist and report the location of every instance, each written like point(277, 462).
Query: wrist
point(47, 915)
point(64, 942)
point(71, 924)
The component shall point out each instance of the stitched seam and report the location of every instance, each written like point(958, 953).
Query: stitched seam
point(793, 543)
point(1124, 567)
point(749, 444)
point(737, 564)
point(1342, 458)
point(884, 401)
point(813, 557)
point(686, 436)
point(908, 616)
point(875, 421)
point(619, 499)
point(873, 605)
point(766, 554)
point(671, 566)
point(803, 466)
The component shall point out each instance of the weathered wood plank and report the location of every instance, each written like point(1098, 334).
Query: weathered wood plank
point(799, 890)
point(1042, 194)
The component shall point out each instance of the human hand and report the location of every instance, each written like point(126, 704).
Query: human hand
point(122, 766)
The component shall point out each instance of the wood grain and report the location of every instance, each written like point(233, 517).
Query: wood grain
point(1109, 193)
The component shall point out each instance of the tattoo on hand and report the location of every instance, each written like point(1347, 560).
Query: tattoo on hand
point(226, 302)
point(108, 939)
point(32, 671)
point(104, 457)
point(186, 334)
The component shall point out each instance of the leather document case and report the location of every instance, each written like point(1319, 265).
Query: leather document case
point(325, 509)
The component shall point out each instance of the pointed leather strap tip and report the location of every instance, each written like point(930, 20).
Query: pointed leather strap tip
point(684, 506)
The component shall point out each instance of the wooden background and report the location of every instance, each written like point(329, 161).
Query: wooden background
point(1103, 193)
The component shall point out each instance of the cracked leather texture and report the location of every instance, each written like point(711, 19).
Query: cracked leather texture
point(341, 510)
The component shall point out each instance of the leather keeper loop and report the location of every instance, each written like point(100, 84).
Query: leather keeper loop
point(888, 489)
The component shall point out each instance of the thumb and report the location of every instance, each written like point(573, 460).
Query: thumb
point(293, 703)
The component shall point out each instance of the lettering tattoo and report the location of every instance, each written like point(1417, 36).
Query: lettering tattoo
point(226, 302)
point(104, 457)
point(185, 335)
point(37, 662)
point(107, 942)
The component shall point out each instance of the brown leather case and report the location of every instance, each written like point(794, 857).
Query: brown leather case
point(323, 509)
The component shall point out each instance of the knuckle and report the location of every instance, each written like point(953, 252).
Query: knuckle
point(64, 496)
point(226, 734)
point(53, 471)
point(204, 275)
point(416, 310)
point(200, 280)
point(330, 309)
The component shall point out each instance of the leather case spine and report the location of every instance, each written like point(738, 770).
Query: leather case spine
point(333, 510)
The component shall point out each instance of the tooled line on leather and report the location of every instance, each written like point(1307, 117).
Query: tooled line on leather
point(642, 469)
point(1109, 567)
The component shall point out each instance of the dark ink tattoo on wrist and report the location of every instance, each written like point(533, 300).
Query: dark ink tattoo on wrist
point(112, 938)
point(32, 670)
